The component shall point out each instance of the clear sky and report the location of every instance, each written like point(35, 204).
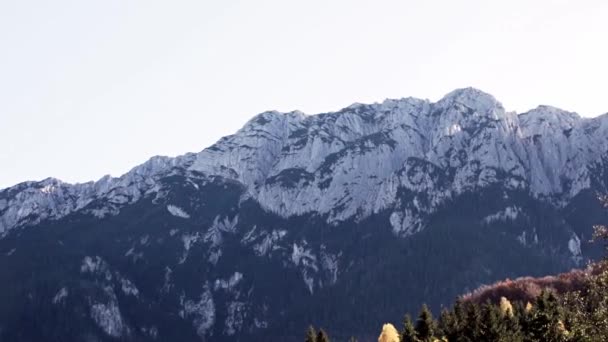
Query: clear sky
point(89, 88)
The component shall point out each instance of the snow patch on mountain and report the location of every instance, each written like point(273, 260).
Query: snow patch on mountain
point(250, 235)
point(509, 213)
point(144, 240)
point(177, 211)
point(260, 323)
point(131, 253)
point(329, 263)
point(306, 261)
point(302, 256)
point(235, 317)
point(528, 240)
point(405, 223)
point(574, 245)
point(60, 296)
point(269, 242)
point(128, 288)
point(263, 242)
point(108, 317)
point(202, 311)
point(188, 240)
point(151, 332)
point(167, 284)
point(230, 283)
point(96, 265)
point(214, 234)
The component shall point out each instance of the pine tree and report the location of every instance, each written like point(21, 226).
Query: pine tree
point(544, 323)
point(513, 329)
point(448, 325)
point(322, 336)
point(408, 332)
point(460, 311)
point(471, 328)
point(491, 328)
point(425, 326)
point(311, 334)
point(523, 316)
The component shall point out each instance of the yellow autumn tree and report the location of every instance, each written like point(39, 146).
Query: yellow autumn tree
point(561, 328)
point(388, 334)
point(506, 309)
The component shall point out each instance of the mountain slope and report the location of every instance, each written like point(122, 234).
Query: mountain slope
point(295, 219)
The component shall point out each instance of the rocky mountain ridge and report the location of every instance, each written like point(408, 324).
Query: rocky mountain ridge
point(354, 162)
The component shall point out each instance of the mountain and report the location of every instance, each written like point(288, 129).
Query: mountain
point(344, 219)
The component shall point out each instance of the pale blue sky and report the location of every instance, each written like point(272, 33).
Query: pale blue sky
point(89, 88)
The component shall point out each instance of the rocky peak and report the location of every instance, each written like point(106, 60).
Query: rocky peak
point(545, 120)
point(474, 100)
point(470, 110)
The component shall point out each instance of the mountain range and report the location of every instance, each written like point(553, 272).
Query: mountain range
point(344, 219)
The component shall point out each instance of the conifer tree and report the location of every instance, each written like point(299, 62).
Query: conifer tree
point(513, 329)
point(311, 334)
point(459, 310)
point(523, 316)
point(425, 326)
point(460, 315)
point(471, 330)
point(491, 328)
point(408, 332)
point(322, 336)
point(448, 325)
point(545, 319)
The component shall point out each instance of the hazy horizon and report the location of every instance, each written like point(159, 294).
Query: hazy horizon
point(88, 89)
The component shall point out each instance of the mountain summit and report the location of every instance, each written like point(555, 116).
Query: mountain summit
point(255, 234)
